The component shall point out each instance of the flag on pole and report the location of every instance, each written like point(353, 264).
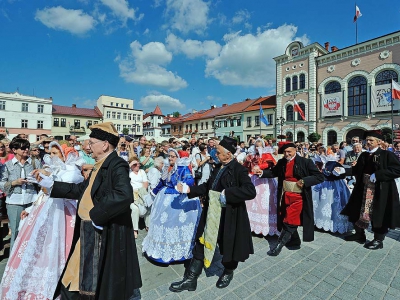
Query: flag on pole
point(298, 109)
point(357, 15)
point(263, 118)
point(395, 90)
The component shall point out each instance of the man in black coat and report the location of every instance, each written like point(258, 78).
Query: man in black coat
point(375, 197)
point(103, 262)
point(295, 175)
point(234, 234)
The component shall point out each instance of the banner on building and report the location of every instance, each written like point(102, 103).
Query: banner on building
point(332, 105)
point(381, 98)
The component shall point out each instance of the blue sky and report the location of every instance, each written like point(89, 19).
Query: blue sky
point(180, 54)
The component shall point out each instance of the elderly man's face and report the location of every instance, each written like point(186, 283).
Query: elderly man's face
point(357, 148)
point(223, 155)
point(289, 153)
point(372, 142)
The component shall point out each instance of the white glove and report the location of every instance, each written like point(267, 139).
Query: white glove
point(372, 178)
point(46, 182)
point(338, 171)
point(98, 227)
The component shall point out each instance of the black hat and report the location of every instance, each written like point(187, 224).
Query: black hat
point(128, 138)
point(284, 145)
point(229, 144)
point(105, 132)
point(374, 133)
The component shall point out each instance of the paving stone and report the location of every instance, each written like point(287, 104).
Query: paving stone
point(390, 297)
point(150, 295)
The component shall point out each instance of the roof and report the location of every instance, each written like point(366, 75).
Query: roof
point(157, 111)
point(266, 102)
point(75, 111)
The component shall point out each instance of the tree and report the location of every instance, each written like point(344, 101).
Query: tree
point(314, 137)
point(176, 114)
point(125, 131)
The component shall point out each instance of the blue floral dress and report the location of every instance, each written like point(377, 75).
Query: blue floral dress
point(174, 218)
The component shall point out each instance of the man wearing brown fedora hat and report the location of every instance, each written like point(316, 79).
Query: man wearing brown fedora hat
point(103, 263)
point(375, 197)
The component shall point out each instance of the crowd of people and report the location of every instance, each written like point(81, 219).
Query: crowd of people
point(74, 206)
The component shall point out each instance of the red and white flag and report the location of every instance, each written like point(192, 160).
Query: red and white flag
point(395, 90)
point(357, 15)
point(298, 109)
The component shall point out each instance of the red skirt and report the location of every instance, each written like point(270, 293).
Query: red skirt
point(293, 207)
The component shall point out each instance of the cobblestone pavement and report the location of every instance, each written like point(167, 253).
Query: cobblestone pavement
point(328, 268)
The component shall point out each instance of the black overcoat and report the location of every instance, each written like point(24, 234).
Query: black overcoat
point(237, 244)
point(305, 169)
point(112, 194)
point(386, 205)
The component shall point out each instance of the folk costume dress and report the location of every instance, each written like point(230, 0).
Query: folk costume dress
point(44, 240)
point(330, 197)
point(262, 210)
point(174, 217)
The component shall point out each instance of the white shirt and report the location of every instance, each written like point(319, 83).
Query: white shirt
point(23, 198)
point(137, 179)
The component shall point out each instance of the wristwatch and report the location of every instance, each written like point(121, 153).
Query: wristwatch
point(302, 181)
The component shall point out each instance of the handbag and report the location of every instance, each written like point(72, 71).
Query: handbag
point(197, 173)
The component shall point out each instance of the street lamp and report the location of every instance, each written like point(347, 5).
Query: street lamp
point(280, 121)
point(214, 128)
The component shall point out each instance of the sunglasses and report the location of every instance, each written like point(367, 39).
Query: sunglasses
point(172, 156)
point(23, 148)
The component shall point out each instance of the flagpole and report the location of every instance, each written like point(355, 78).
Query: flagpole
point(294, 125)
point(391, 93)
point(355, 7)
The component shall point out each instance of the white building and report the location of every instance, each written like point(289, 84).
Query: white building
point(120, 111)
point(152, 123)
point(25, 114)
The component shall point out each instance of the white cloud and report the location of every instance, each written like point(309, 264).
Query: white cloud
point(188, 15)
point(89, 103)
point(146, 65)
point(192, 48)
point(157, 3)
point(121, 10)
point(246, 60)
point(241, 16)
point(59, 18)
point(167, 104)
point(146, 32)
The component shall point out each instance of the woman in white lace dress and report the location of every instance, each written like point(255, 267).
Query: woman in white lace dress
point(44, 241)
point(174, 217)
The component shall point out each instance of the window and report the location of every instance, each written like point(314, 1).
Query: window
point(180, 128)
point(40, 108)
point(38, 138)
point(357, 96)
point(56, 122)
point(108, 114)
point(232, 123)
point(95, 122)
point(294, 83)
point(213, 124)
point(333, 87)
point(168, 130)
point(2, 105)
point(302, 81)
point(190, 126)
point(123, 126)
point(248, 121)
point(159, 117)
point(122, 105)
point(303, 108)
point(201, 125)
point(225, 123)
point(2, 122)
point(289, 113)
point(130, 117)
point(187, 127)
point(63, 122)
point(332, 137)
point(77, 124)
point(118, 115)
point(300, 137)
point(257, 120)
point(88, 123)
point(39, 124)
point(287, 85)
point(24, 106)
point(118, 126)
point(197, 126)
point(113, 114)
point(117, 104)
point(138, 128)
point(219, 124)
point(24, 123)
point(138, 117)
point(289, 136)
point(270, 119)
point(127, 106)
point(385, 77)
point(174, 128)
point(206, 125)
point(124, 116)
point(112, 103)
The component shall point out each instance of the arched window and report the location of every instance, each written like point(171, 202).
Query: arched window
point(294, 83)
point(302, 80)
point(385, 77)
point(300, 137)
point(303, 108)
point(357, 98)
point(288, 84)
point(289, 113)
point(289, 136)
point(333, 87)
point(332, 137)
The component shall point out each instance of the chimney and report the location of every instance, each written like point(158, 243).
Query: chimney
point(73, 105)
point(51, 98)
point(224, 105)
point(334, 49)
point(327, 46)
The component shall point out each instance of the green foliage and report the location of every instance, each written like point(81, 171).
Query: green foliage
point(176, 114)
point(314, 137)
point(125, 131)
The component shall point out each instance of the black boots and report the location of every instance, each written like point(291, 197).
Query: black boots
point(282, 240)
point(225, 279)
point(189, 281)
point(294, 242)
point(358, 237)
point(376, 243)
